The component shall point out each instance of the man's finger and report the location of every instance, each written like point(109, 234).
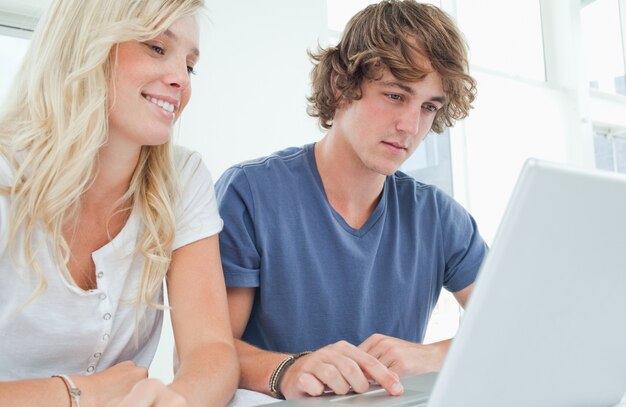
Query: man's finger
point(378, 372)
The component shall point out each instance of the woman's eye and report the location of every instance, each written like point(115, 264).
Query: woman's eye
point(190, 70)
point(157, 49)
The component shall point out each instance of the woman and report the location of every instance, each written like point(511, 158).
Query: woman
point(97, 208)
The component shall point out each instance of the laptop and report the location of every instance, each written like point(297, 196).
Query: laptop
point(546, 323)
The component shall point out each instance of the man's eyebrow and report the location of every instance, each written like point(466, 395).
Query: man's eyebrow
point(411, 91)
point(168, 33)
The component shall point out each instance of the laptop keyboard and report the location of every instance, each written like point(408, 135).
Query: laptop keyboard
point(380, 398)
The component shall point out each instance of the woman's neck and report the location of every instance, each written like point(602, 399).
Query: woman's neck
point(114, 171)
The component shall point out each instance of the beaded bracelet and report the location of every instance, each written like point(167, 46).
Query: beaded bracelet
point(279, 371)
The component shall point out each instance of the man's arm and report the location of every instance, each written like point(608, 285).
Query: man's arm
point(339, 366)
point(462, 296)
point(409, 358)
point(252, 361)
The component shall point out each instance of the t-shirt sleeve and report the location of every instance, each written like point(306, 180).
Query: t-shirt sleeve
point(464, 248)
point(241, 260)
point(196, 213)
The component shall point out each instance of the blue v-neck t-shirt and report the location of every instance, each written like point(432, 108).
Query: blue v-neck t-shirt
point(317, 279)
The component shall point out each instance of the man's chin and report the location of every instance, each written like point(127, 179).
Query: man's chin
point(388, 171)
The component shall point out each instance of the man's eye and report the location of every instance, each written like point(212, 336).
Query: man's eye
point(431, 108)
point(394, 97)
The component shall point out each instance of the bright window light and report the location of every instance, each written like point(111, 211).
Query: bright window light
point(602, 42)
point(12, 51)
point(340, 11)
point(504, 36)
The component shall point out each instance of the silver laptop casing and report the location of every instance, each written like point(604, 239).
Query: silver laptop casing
point(546, 323)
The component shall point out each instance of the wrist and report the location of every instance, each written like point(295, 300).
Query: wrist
point(89, 395)
point(183, 389)
point(439, 351)
point(73, 391)
point(279, 372)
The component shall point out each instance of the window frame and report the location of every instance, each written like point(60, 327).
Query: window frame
point(621, 6)
point(17, 25)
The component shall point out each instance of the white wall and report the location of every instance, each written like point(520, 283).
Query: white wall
point(253, 76)
point(512, 121)
point(515, 119)
point(249, 96)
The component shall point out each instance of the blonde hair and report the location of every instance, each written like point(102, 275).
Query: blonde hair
point(56, 120)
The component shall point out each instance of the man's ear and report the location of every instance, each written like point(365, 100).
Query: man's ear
point(341, 100)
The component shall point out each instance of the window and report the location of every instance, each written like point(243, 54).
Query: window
point(12, 51)
point(16, 28)
point(603, 45)
point(610, 150)
point(341, 11)
point(505, 36)
point(431, 162)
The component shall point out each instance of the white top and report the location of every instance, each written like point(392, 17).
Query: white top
point(72, 331)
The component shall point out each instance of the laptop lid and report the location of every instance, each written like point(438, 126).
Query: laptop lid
point(546, 323)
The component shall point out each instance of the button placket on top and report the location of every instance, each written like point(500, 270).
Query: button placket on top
point(108, 260)
point(106, 316)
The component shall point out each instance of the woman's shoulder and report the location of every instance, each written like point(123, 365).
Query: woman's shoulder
point(190, 167)
point(187, 162)
point(184, 156)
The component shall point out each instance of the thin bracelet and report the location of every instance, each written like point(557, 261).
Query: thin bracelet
point(69, 395)
point(72, 391)
point(279, 371)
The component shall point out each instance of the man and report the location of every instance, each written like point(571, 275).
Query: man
point(328, 248)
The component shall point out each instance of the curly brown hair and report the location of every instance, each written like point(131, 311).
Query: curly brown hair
point(395, 35)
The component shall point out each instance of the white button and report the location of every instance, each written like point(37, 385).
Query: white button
point(100, 274)
point(107, 316)
point(103, 296)
point(90, 369)
point(97, 355)
point(106, 337)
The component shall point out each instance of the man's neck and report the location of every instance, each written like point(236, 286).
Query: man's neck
point(352, 189)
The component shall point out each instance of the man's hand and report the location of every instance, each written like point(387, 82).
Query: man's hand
point(404, 357)
point(340, 367)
